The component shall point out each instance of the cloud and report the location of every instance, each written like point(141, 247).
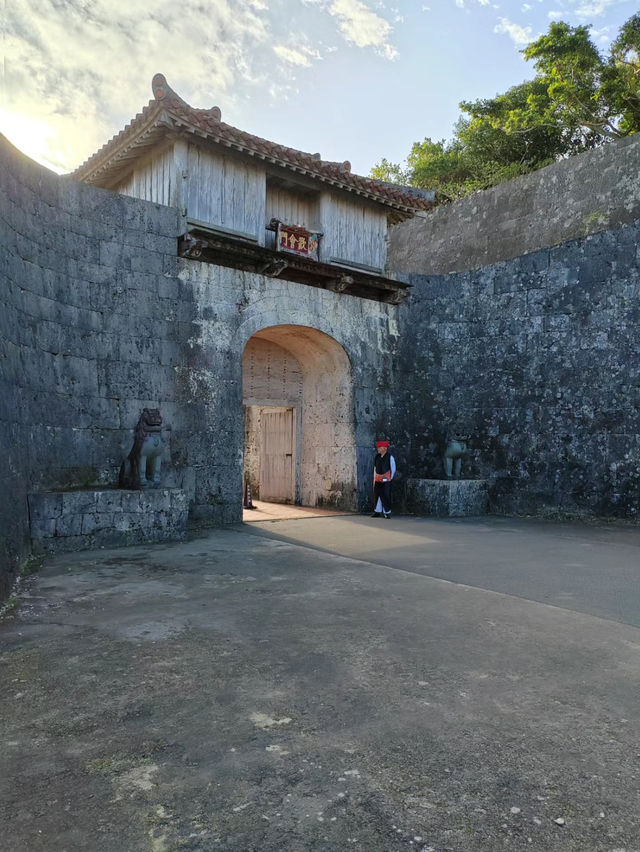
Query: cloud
point(602, 34)
point(555, 15)
point(517, 33)
point(76, 71)
point(361, 26)
point(89, 63)
point(595, 8)
point(300, 55)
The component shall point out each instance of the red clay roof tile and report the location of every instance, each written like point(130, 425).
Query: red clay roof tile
point(168, 105)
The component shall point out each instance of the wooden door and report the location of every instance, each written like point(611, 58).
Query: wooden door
point(277, 456)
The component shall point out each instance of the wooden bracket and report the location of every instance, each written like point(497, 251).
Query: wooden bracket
point(274, 267)
point(340, 284)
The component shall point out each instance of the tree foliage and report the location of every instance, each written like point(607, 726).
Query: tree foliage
point(578, 100)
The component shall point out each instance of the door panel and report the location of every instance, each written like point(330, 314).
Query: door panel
point(277, 457)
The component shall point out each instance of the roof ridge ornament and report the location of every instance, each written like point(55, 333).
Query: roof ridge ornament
point(168, 112)
point(344, 167)
point(162, 90)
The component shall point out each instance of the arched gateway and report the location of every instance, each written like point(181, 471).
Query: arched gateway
point(273, 245)
point(299, 442)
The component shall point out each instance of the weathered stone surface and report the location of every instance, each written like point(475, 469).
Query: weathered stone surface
point(447, 498)
point(595, 191)
point(535, 357)
point(544, 376)
point(68, 307)
point(99, 319)
point(230, 685)
point(76, 520)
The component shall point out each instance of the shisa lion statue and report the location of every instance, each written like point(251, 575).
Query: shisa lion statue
point(456, 449)
point(141, 468)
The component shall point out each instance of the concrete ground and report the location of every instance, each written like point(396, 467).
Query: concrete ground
point(263, 511)
point(329, 683)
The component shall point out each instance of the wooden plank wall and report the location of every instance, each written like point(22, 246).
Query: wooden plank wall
point(291, 207)
point(154, 180)
point(270, 374)
point(226, 191)
point(353, 230)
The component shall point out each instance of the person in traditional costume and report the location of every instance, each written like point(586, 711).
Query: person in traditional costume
point(384, 469)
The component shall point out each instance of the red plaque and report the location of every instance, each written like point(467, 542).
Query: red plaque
point(296, 240)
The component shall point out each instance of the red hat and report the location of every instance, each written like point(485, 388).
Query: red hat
point(382, 443)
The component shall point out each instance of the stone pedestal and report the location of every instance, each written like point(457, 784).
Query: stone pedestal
point(447, 498)
point(79, 520)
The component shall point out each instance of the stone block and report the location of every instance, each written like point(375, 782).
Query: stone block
point(163, 221)
point(78, 503)
point(170, 265)
point(109, 500)
point(444, 498)
point(168, 287)
point(81, 247)
point(140, 349)
point(68, 525)
point(164, 518)
point(43, 527)
point(138, 381)
point(93, 523)
point(155, 500)
point(147, 261)
point(44, 506)
point(178, 499)
point(124, 522)
point(130, 501)
point(74, 375)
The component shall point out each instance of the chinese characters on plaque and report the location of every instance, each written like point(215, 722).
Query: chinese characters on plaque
point(297, 240)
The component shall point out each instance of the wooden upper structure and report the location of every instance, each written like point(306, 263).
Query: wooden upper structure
point(235, 191)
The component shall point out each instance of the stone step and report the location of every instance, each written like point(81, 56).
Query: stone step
point(448, 497)
point(63, 521)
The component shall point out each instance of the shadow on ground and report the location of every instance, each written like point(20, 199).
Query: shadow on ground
point(240, 692)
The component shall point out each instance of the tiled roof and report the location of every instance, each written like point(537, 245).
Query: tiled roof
point(169, 112)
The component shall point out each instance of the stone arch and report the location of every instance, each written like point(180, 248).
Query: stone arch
point(285, 312)
point(304, 369)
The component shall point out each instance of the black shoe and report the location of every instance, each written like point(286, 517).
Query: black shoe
point(375, 514)
point(386, 515)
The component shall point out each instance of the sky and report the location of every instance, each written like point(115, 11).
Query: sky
point(355, 80)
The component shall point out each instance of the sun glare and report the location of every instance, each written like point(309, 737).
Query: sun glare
point(33, 136)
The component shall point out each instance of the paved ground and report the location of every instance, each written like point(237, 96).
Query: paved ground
point(591, 568)
point(263, 511)
point(320, 684)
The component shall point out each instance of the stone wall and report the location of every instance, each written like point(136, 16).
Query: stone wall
point(63, 521)
point(537, 359)
point(231, 306)
point(595, 191)
point(93, 323)
point(99, 319)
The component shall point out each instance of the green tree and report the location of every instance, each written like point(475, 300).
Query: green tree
point(577, 100)
point(599, 94)
point(390, 172)
point(621, 80)
point(520, 126)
